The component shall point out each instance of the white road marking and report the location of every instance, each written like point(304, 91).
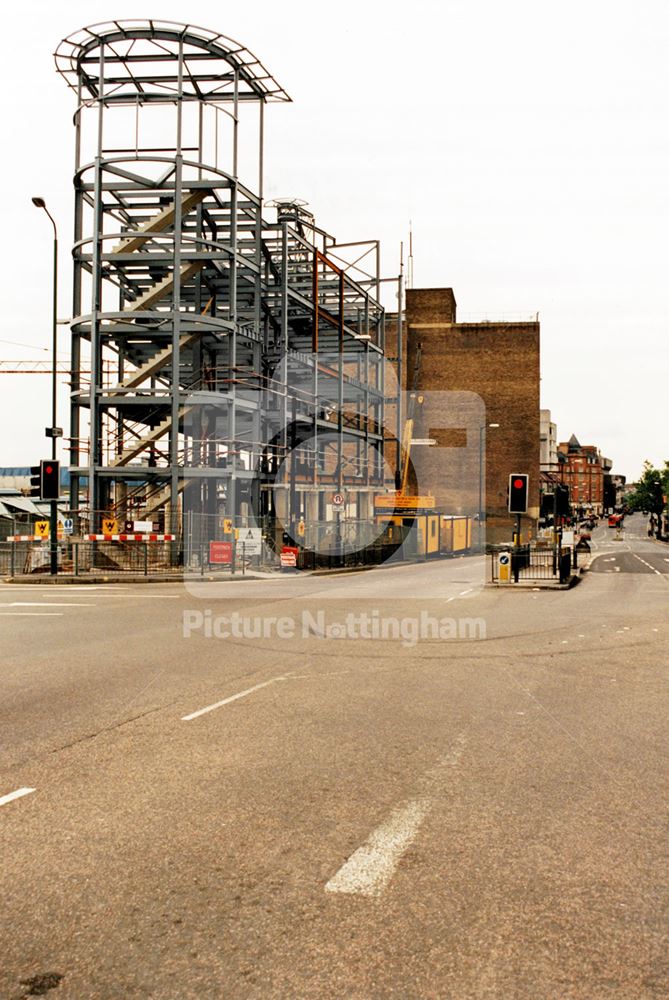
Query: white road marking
point(369, 869)
point(18, 794)
point(233, 697)
point(616, 569)
point(31, 614)
point(463, 592)
point(647, 564)
point(44, 604)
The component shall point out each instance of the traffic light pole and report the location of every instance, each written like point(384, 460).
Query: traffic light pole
point(52, 432)
point(53, 527)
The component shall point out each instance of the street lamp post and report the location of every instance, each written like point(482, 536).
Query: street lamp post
point(482, 430)
point(52, 431)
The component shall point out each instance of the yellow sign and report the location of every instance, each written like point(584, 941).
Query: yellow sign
point(398, 501)
point(236, 533)
point(42, 529)
point(227, 525)
point(109, 526)
point(300, 528)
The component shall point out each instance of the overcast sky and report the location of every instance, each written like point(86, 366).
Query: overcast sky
point(527, 142)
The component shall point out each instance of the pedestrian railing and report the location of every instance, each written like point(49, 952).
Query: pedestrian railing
point(527, 562)
point(85, 558)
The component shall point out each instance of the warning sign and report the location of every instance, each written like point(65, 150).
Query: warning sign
point(220, 553)
point(42, 529)
point(289, 557)
point(227, 525)
point(300, 528)
point(109, 526)
point(251, 540)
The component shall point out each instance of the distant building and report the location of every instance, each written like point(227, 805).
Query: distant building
point(548, 453)
point(16, 511)
point(582, 467)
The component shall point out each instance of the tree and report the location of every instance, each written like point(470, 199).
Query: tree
point(650, 489)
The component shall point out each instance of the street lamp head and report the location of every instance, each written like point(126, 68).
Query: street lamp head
point(39, 202)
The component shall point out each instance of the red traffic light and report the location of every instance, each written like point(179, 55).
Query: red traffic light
point(49, 479)
point(518, 490)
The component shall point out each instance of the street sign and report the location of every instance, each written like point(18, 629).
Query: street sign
point(109, 526)
point(504, 566)
point(251, 539)
point(143, 527)
point(220, 553)
point(300, 529)
point(42, 529)
point(337, 501)
point(68, 526)
point(289, 557)
point(227, 525)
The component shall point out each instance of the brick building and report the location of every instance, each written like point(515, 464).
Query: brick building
point(583, 469)
point(472, 375)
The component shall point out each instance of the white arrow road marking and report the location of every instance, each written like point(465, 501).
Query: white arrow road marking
point(19, 793)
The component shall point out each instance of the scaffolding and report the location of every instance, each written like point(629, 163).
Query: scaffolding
point(226, 358)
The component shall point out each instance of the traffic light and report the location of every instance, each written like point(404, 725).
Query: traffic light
point(518, 482)
point(562, 500)
point(35, 480)
point(45, 480)
point(50, 480)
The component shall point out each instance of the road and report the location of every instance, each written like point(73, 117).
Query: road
point(351, 805)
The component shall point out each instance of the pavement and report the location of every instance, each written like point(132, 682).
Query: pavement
point(394, 784)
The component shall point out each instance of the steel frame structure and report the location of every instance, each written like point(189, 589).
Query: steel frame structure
point(211, 344)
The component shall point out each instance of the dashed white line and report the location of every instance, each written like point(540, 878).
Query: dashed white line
point(233, 697)
point(18, 794)
point(647, 564)
point(369, 869)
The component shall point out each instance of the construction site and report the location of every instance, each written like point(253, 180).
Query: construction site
point(232, 367)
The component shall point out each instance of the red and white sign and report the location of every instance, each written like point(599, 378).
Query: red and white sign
point(289, 557)
point(220, 553)
point(338, 501)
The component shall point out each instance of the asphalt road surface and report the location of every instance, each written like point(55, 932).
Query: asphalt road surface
point(394, 784)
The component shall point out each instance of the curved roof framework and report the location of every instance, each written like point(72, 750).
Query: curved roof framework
point(141, 61)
